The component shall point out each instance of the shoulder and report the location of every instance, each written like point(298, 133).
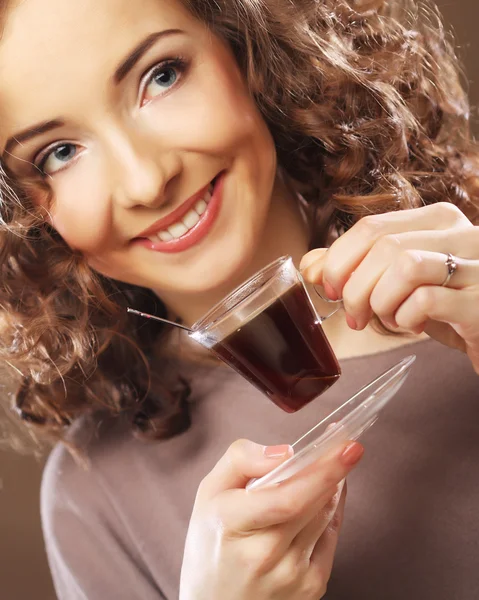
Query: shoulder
point(84, 517)
point(73, 483)
point(68, 486)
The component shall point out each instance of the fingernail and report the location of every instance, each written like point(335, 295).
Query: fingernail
point(418, 330)
point(306, 262)
point(390, 323)
point(278, 451)
point(351, 321)
point(311, 258)
point(313, 275)
point(352, 454)
point(330, 293)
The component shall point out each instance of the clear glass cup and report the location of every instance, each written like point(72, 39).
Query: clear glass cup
point(268, 330)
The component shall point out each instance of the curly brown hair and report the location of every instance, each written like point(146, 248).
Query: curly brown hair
point(368, 113)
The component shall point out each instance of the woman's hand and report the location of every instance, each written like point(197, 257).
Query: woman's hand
point(394, 265)
point(275, 543)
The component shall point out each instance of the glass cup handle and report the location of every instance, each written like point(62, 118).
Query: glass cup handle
point(329, 301)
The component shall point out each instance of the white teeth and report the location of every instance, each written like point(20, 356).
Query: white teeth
point(177, 230)
point(200, 206)
point(191, 218)
point(165, 236)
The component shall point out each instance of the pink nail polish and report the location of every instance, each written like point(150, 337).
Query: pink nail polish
point(419, 330)
point(351, 322)
point(352, 454)
point(330, 293)
point(391, 323)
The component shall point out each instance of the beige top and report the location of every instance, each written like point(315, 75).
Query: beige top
point(412, 523)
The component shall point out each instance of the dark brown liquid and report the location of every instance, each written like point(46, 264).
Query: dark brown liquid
point(283, 352)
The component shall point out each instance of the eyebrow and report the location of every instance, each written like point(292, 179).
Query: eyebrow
point(121, 72)
point(31, 132)
point(130, 61)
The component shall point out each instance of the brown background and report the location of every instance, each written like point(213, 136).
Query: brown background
point(23, 570)
point(464, 17)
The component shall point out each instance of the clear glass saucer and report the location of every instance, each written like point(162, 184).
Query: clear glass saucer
point(348, 422)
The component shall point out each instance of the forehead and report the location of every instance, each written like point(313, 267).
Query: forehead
point(48, 45)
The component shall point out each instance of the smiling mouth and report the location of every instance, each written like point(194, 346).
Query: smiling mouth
point(182, 225)
point(186, 225)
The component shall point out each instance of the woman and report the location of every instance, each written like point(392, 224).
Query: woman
point(166, 154)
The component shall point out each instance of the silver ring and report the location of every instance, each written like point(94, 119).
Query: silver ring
point(451, 265)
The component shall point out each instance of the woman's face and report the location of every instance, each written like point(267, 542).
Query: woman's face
point(160, 165)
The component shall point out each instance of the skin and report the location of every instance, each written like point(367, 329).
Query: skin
point(135, 157)
point(394, 265)
point(276, 543)
point(138, 154)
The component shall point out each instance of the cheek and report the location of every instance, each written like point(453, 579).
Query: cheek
point(80, 210)
point(213, 113)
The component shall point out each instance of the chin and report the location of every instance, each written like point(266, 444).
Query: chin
point(222, 275)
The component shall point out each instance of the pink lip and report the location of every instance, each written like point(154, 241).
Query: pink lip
point(196, 233)
point(174, 216)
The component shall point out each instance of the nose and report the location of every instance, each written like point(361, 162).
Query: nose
point(141, 172)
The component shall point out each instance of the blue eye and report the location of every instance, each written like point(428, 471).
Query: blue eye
point(57, 158)
point(165, 77)
point(162, 77)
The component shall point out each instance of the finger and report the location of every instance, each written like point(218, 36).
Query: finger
point(315, 523)
point(242, 461)
point(347, 252)
point(444, 333)
point(411, 270)
point(462, 241)
point(277, 540)
point(358, 288)
point(331, 531)
point(322, 557)
point(312, 258)
point(456, 307)
point(312, 268)
point(289, 501)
